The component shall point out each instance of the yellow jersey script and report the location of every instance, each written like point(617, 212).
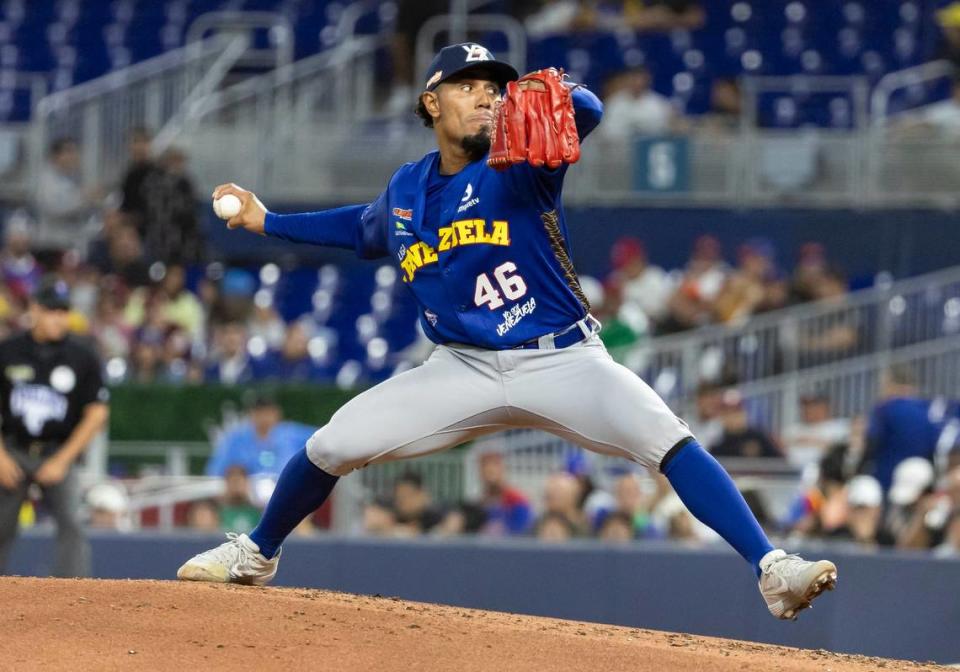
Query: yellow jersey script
point(461, 232)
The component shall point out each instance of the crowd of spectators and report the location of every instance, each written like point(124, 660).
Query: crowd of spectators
point(890, 479)
point(140, 287)
point(640, 299)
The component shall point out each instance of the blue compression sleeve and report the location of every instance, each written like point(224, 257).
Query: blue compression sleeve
point(587, 110)
point(301, 489)
point(337, 227)
point(710, 494)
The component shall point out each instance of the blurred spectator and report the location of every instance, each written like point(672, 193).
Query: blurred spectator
point(707, 425)
point(542, 18)
point(265, 322)
point(740, 438)
point(238, 513)
point(592, 501)
point(607, 306)
point(822, 341)
point(864, 515)
point(640, 15)
point(633, 505)
point(671, 516)
point(754, 287)
point(119, 252)
point(138, 181)
point(260, 445)
point(901, 425)
point(809, 273)
point(413, 506)
point(561, 498)
point(182, 308)
point(171, 229)
point(174, 304)
point(930, 525)
point(20, 269)
point(234, 300)
point(507, 509)
point(944, 117)
point(617, 527)
point(63, 205)
point(464, 519)
point(806, 441)
point(692, 303)
point(662, 15)
point(108, 504)
point(146, 365)
point(950, 548)
point(725, 104)
point(822, 508)
point(204, 516)
point(230, 363)
point(913, 481)
point(292, 362)
point(161, 202)
point(178, 363)
point(554, 527)
point(642, 284)
point(632, 107)
point(109, 328)
point(411, 15)
point(379, 519)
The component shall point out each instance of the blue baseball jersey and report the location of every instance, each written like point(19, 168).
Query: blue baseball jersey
point(485, 252)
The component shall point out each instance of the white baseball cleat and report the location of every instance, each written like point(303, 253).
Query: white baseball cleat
point(789, 583)
point(237, 561)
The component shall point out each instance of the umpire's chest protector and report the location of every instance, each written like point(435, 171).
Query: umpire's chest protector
point(494, 270)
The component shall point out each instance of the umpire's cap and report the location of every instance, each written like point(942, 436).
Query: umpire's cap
point(456, 58)
point(53, 294)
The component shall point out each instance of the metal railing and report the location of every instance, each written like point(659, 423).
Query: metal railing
point(277, 133)
point(99, 114)
point(888, 316)
point(17, 164)
point(234, 23)
point(313, 130)
point(854, 386)
point(456, 25)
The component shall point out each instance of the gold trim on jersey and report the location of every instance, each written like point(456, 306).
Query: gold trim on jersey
point(551, 223)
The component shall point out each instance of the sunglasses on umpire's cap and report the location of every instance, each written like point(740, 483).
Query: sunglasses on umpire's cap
point(457, 58)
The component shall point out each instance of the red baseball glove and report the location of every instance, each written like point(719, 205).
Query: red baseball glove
point(535, 123)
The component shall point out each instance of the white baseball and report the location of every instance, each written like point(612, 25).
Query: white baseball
point(227, 207)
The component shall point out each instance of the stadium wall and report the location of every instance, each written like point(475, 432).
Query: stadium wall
point(890, 604)
point(905, 242)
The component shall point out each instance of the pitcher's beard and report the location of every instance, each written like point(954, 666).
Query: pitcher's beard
point(477, 145)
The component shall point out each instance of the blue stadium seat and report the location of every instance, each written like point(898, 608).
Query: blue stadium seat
point(763, 37)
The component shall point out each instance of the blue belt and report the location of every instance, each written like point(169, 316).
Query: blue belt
point(575, 333)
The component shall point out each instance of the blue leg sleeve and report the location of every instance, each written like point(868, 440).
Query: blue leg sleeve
point(301, 489)
point(710, 495)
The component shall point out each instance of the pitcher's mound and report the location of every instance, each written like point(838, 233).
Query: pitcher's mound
point(65, 624)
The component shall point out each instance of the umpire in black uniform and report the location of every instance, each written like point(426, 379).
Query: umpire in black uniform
point(52, 403)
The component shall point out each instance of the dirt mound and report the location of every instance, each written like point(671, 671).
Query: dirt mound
point(65, 624)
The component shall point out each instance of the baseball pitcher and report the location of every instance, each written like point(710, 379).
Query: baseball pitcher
point(477, 231)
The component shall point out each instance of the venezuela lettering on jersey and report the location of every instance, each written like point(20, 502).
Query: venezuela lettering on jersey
point(461, 232)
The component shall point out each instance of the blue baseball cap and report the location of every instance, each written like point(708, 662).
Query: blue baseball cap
point(460, 57)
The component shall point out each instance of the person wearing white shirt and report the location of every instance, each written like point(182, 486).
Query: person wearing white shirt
point(807, 441)
point(634, 108)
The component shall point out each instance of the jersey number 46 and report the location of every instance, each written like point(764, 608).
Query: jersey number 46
point(510, 282)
